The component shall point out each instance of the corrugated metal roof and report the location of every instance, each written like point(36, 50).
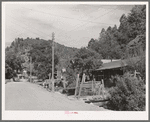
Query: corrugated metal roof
point(118, 64)
point(113, 64)
point(108, 60)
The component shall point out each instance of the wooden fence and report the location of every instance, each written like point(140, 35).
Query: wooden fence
point(88, 85)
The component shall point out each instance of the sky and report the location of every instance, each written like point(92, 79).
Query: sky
point(74, 24)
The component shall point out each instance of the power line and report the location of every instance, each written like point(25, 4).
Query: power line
point(107, 8)
point(96, 18)
point(26, 28)
point(68, 17)
point(70, 30)
point(27, 25)
point(47, 34)
point(14, 32)
point(88, 22)
point(73, 18)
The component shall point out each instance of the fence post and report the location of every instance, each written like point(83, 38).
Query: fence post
point(49, 80)
point(99, 89)
point(135, 74)
point(76, 89)
point(83, 80)
point(92, 86)
point(64, 83)
point(103, 88)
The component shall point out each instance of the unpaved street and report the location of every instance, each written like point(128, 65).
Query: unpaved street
point(28, 96)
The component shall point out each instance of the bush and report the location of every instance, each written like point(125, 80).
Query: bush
point(128, 94)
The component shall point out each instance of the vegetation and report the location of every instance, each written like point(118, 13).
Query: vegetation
point(40, 51)
point(13, 64)
point(84, 61)
point(128, 94)
point(126, 40)
point(42, 60)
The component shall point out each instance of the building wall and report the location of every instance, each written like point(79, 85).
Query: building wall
point(106, 75)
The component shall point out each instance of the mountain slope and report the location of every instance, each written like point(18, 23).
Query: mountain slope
point(21, 45)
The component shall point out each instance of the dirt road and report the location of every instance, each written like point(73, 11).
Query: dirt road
point(28, 96)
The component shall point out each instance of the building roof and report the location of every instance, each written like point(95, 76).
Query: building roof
point(113, 65)
point(118, 64)
point(109, 60)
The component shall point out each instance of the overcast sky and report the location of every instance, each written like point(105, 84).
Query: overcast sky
point(74, 24)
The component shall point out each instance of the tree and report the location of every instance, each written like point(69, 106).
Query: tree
point(137, 20)
point(128, 94)
point(14, 61)
point(92, 44)
point(86, 60)
point(42, 59)
point(108, 45)
point(114, 29)
point(138, 64)
point(102, 33)
point(109, 29)
point(8, 71)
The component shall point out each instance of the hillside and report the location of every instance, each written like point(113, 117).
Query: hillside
point(41, 52)
point(20, 45)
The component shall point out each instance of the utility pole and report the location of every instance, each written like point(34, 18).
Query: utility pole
point(53, 37)
point(30, 68)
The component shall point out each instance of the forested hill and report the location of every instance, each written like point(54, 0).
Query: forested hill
point(20, 45)
point(41, 52)
point(127, 40)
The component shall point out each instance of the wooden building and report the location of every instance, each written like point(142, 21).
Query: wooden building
point(109, 69)
point(112, 68)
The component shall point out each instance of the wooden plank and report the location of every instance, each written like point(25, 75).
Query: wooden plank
point(77, 80)
point(83, 80)
point(88, 82)
point(102, 88)
point(99, 90)
point(64, 85)
point(70, 88)
point(94, 101)
point(49, 79)
point(92, 97)
point(87, 85)
point(92, 86)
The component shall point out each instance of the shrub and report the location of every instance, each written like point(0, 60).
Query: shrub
point(128, 94)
